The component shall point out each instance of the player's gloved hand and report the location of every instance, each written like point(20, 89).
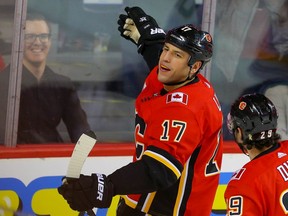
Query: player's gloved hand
point(87, 192)
point(139, 27)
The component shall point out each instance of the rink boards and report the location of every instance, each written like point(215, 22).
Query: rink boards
point(30, 176)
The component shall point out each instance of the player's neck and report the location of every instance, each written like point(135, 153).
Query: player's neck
point(254, 152)
point(169, 88)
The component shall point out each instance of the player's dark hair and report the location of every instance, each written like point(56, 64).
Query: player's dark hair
point(263, 143)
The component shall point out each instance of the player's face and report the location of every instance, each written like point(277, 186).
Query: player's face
point(173, 65)
point(37, 42)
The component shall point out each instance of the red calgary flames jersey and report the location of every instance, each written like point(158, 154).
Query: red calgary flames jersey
point(261, 186)
point(186, 123)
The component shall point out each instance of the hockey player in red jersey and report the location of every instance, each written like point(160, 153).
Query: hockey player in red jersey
point(178, 128)
point(261, 186)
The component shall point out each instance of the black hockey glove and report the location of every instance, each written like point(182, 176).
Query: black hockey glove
point(140, 28)
point(87, 192)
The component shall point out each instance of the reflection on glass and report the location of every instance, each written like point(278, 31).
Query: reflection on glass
point(88, 49)
point(108, 73)
point(91, 55)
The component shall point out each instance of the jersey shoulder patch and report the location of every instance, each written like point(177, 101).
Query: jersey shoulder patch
point(178, 97)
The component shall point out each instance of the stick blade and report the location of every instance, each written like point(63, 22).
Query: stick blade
point(81, 151)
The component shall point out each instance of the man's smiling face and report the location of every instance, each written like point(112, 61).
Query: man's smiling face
point(37, 42)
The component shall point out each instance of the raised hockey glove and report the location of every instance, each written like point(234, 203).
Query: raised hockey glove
point(139, 27)
point(87, 192)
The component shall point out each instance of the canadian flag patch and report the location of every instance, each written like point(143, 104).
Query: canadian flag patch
point(177, 97)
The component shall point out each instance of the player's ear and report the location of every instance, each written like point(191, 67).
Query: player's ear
point(195, 67)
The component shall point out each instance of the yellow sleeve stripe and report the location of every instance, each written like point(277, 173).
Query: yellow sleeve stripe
point(164, 161)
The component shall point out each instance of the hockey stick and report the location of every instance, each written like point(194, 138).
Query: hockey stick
point(81, 151)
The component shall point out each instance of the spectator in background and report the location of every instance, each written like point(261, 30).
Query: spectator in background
point(46, 97)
